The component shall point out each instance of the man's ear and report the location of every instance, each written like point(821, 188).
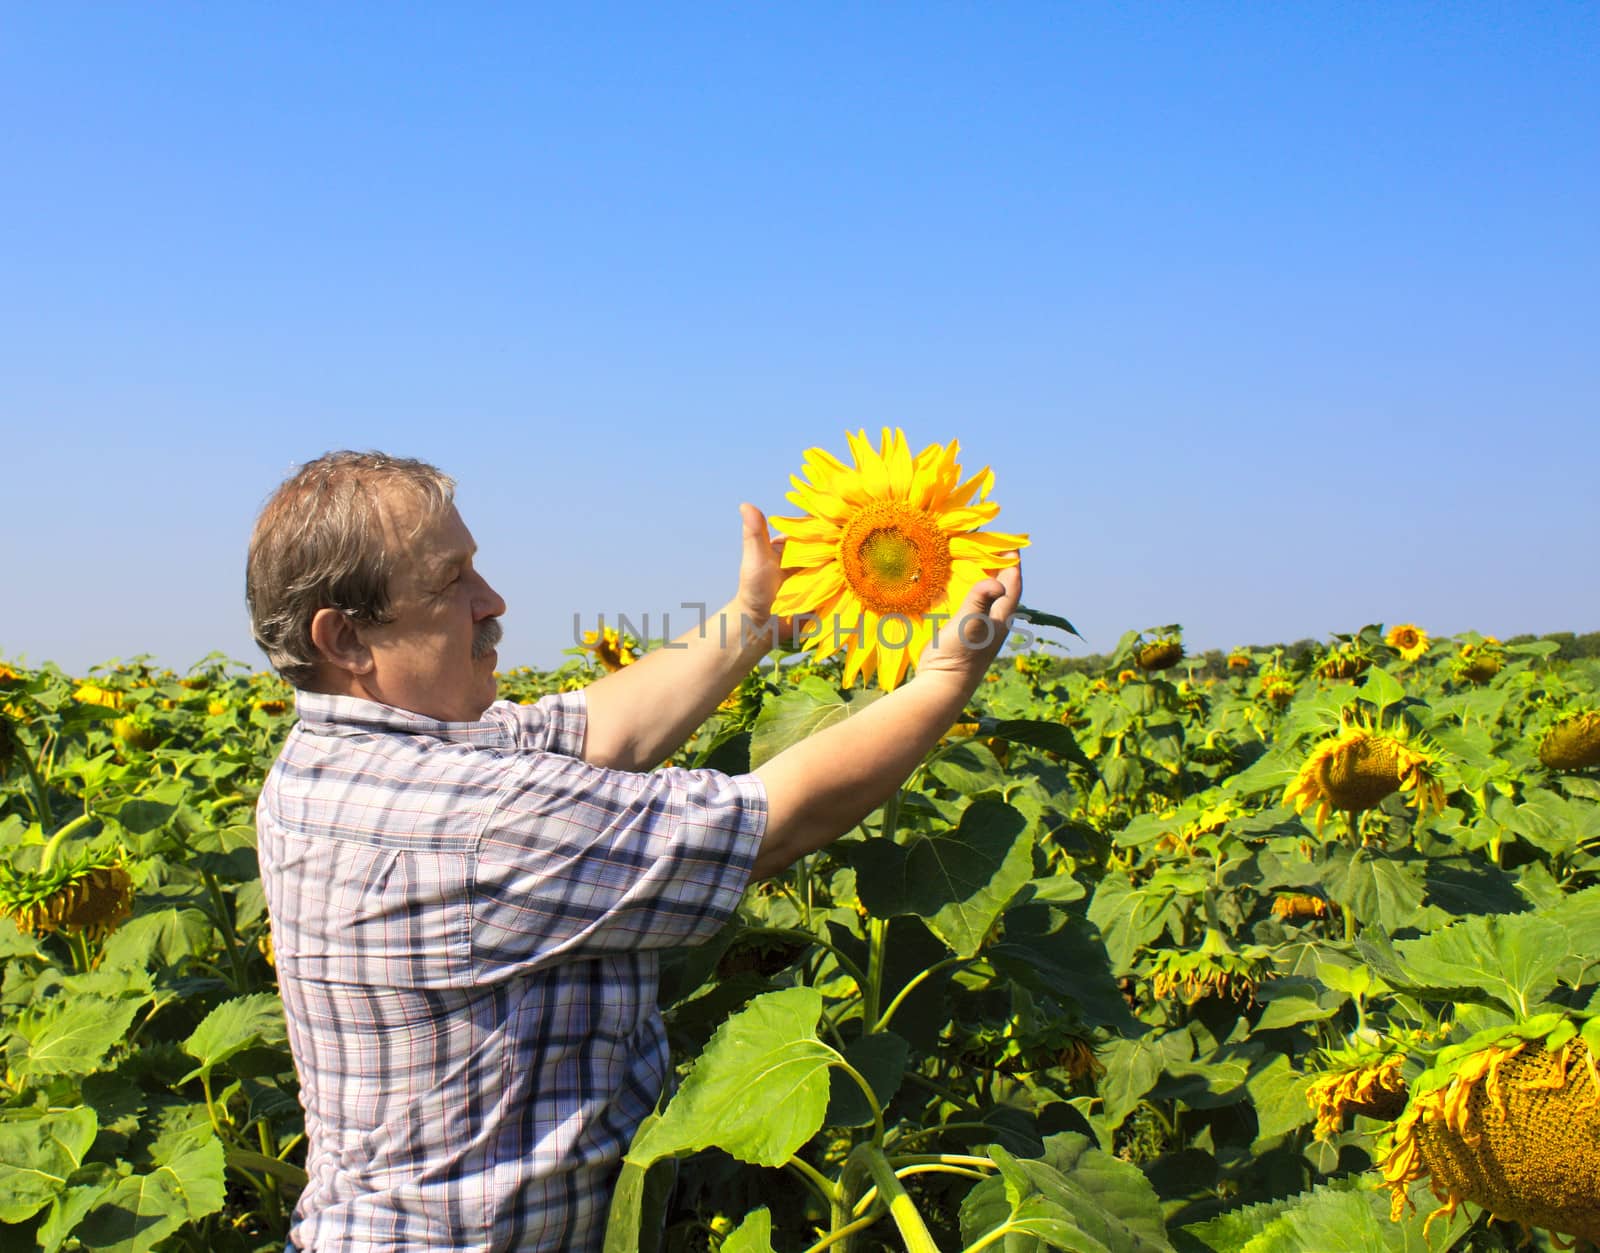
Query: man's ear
point(339, 643)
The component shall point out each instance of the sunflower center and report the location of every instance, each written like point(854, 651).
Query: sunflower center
point(895, 559)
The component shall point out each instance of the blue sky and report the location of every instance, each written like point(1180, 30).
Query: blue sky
point(1272, 320)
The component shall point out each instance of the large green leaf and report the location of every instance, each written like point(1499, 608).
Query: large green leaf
point(37, 1155)
point(1075, 1197)
point(76, 1039)
point(880, 1059)
point(1038, 733)
point(1510, 959)
point(958, 881)
point(1062, 956)
point(803, 710)
point(758, 1091)
point(1377, 888)
point(162, 938)
point(245, 1022)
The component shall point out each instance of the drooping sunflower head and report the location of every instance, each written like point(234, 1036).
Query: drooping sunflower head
point(94, 694)
point(1408, 640)
point(1369, 1084)
point(1572, 743)
point(1162, 652)
point(1359, 766)
point(1277, 689)
point(1240, 662)
point(10, 676)
point(92, 895)
point(1215, 969)
point(1513, 1127)
point(1345, 661)
point(886, 550)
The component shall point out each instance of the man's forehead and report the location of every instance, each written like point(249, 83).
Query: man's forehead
point(435, 537)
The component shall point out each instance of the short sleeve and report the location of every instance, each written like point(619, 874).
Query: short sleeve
point(580, 861)
point(552, 724)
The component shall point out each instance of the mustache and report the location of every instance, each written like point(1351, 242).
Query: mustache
point(487, 636)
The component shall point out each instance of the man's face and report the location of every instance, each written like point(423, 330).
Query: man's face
point(437, 656)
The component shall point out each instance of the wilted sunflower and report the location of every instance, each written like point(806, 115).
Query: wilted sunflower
point(1215, 969)
point(9, 677)
point(271, 705)
point(1296, 905)
point(1476, 663)
point(1239, 660)
point(1277, 689)
point(1358, 767)
point(1407, 640)
point(91, 896)
point(1344, 662)
point(132, 732)
point(1573, 743)
point(886, 550)
point(1516, 1129)
point(1159, 654)
point(1370, 1085)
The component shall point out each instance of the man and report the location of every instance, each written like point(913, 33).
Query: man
point(467, 896)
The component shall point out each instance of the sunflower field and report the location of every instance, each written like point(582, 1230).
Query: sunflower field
point(1289, 952)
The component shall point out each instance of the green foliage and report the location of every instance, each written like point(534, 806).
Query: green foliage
point(949, 1029)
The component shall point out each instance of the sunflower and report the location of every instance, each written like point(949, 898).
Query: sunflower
point(133, 732)
point(1407, 640)
point(1159, 654)
point(1369, 1085)
point(9, 677)
point(1277, 689)
point(1573, 743)
point(1238, 659)
point(1297, 905)
point(91, 896)
point(1475, 664)
point(1362, 764)
point(886, 550)
point(94, 694)
point(1345, 662)
point(1215, 969)
point(1514, 1128)
point(610, 648)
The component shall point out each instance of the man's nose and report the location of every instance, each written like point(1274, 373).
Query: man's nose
point(488, 603)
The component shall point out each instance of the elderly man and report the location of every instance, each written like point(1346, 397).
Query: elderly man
point(468, 896)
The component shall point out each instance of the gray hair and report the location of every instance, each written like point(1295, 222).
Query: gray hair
point(321, 543)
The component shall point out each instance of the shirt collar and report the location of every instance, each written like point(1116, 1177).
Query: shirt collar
point(323, 714)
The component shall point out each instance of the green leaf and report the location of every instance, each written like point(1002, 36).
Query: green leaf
point(37, 1155)
point(1509, 958)
point(639, 1199)
point(75, 1041)
point(753, 1235)
point(1037, 733)
point(71, 1205)
point(246, 1022)
point(881, 1060)
point(1279, 1097)
point(758, 1091)
point(195, 1158)
point(958, 881)
point(803, 710)
point(1075, 1197)
point(1378, 888)
point(164, 938)
point(1037, 617)
point(1132, 1068)
point(1381, 689)
point(1065, 959)
point(1130, 917)
point(135, 1215)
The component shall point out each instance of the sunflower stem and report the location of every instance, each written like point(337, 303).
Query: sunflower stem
point(878, 931)
point(47, 858)
point(41, 796)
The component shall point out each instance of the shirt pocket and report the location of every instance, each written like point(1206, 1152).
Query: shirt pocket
point(374, 913)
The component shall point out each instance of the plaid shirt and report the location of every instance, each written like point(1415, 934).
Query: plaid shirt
point(465, 918)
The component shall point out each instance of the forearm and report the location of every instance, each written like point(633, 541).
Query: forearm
point(823, 786)
point(641, 714)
